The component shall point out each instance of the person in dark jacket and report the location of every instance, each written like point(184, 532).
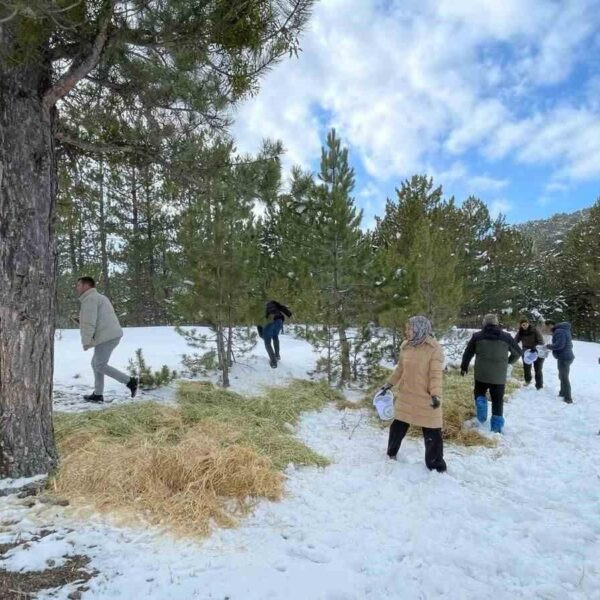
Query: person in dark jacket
point(562, 350)
point(529, 336)
point(494, 350)
point(275, 314)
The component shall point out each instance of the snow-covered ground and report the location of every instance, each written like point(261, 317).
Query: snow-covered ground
point(521, 520)
point(73, 375)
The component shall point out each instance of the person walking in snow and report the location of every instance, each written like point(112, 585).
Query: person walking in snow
point(418, 381)
point(100, 330)
point(562, 350)
point(275, 314)
point(529, 336)
point(494, 350)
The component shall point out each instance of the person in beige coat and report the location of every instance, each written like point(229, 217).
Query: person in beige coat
point(417, 383)
point(100, 330)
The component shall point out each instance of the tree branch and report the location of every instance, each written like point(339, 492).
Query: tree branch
point(10, 17)
point(83, 64)
point(100, 148)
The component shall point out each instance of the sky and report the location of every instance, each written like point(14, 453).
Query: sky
point(494, 98)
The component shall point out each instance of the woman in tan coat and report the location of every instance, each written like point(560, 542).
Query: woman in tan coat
point(418, 390)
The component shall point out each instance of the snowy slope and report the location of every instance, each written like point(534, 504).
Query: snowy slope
point(518, 521)
point(73, 375)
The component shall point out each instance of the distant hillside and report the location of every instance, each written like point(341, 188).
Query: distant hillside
point(547, 232)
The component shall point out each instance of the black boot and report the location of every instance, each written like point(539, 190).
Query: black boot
point(132, 384)
point(434, 449)
point(94, 398)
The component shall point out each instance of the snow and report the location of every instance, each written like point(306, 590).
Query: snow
point(39, 555)
point(6, 484)
point(73, 375)
point(518, 521)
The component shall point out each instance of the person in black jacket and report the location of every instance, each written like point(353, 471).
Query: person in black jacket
point(494, 350)
point(529, 336)
point(275, 314)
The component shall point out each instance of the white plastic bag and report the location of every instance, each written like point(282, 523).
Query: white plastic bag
point(529, 357)
point(384, 403)
point(542, 351)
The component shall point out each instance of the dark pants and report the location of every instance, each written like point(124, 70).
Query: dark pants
point(270, 336)
point(496, 394)
point(564, 368)
point(538, 367)
point(434, 444)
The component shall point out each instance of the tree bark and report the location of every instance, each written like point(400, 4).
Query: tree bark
point(344, 354)
point(103, 237)
point(28, 183)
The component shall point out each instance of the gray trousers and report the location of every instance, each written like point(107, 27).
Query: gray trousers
point(101, 367)
point(564, 367)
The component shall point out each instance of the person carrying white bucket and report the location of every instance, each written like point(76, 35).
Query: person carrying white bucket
point(418, 389)
point(530, 338)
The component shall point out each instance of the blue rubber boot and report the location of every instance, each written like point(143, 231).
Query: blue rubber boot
point(481, 407)
point(497, 423)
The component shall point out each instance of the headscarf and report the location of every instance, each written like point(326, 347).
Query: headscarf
point(421, 329)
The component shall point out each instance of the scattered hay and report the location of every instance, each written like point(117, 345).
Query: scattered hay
point(17, 585)
point(265, 422)
point(205, 461)
point(458, 408)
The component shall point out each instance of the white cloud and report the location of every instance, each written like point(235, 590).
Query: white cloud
point(500, 206)
point(417, 83)
point(484, 183)
point(568, 138)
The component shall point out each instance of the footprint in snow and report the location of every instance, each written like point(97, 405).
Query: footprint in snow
point(312, 554)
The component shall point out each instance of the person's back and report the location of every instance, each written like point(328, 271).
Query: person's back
point(98, 320)
point(493, 349)
point(277, 311)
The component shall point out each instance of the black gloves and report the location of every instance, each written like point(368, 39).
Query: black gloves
point(435, 402)
point(464, 371)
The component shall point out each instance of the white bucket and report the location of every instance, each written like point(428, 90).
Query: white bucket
point(384, 403)
point(542, 351)
point(529, 357)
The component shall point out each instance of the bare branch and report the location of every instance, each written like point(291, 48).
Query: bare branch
point(101, 148)
point(81, 65)
point(10, 17)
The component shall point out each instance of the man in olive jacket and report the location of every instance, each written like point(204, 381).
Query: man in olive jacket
point(494, 350)
point(100, 329)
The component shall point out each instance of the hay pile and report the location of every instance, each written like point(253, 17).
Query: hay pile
point(206, 461)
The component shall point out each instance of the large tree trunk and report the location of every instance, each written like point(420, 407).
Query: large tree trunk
point(27, 200)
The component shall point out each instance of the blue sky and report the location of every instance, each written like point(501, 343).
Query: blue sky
point(496, 98)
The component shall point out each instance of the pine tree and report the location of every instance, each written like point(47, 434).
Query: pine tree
point(149, 61)
point(322, 255)
point(578, 271)
point(432, 283)
point(417, 256)
point(220, 246)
